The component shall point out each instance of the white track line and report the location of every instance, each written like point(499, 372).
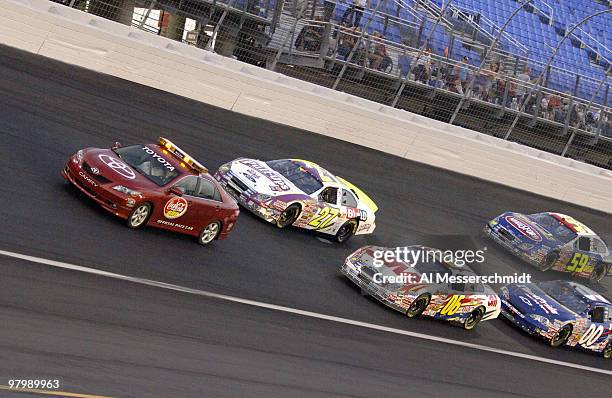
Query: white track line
point(275, 307)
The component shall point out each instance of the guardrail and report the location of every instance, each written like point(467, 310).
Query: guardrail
point(72, 36)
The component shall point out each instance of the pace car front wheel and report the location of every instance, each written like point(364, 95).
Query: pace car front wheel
point(418, 306)
point(561, 337)
point(209, 233)
point(288, 216)
point(549, 261)
point(139, 216)
point(347, 230)
point(473, 319)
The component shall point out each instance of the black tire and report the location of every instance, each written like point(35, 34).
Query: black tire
point(599, 272)
point(346, 231)
point(549, 261)
point(474, 319)
point(289, 216)
point(607, 351)
point(139, 215)
point(418, 306)
point(209, 233)
point(561, 337)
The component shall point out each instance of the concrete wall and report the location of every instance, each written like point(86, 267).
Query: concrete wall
point(74, 37)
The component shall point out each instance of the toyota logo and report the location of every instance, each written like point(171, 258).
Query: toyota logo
point(95, 170)
point(118, 166)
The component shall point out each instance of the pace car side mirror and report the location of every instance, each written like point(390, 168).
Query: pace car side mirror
point(178, 191)
point(116, 145)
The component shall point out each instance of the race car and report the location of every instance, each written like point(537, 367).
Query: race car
point(552, 241)
point(154, 184)
point(562, 313)
point(431, 287)
point(300, 193)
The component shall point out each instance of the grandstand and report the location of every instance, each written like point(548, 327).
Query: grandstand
point(407, 53)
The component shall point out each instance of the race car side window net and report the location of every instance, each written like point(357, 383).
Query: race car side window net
point(598, 314)
point(584, 243)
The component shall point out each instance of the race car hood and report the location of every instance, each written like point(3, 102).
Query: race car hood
point(261, 178)
point(524, 229)
point(110, 166)
point(371, 263)
point(530, 299)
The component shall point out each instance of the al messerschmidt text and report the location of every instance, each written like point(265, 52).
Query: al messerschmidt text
point(448, 278)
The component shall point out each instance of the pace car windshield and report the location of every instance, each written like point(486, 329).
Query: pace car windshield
point(565, 294)
point(555, 227)
point(147, 165)
point(296, 174)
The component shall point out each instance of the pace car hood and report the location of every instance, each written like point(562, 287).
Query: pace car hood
point(110, 166)
point(530, 299)
point(261, 178)
point(525, 230)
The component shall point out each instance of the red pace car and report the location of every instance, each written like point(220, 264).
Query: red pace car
point(154, 184)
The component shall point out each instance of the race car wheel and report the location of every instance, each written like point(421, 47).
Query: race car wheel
point(561, 337)
point(607, 352)
point(347, 230)
point(418, 306)
point(549, 261)
point(139, 216)
point(599, 272)
point(474, 319)
point(288, 216)
point(209, 233)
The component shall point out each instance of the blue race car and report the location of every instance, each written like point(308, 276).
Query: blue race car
point(552, 241)
point(561, 312)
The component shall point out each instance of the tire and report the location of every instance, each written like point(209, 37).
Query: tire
point(474, 319)
point(607, 351)
point(289, 216)
point(418, 306)
point(209, 233)
point(549, 261)
point(139, 216)
point(599, 272)
point(561, 337)
point(346, 231)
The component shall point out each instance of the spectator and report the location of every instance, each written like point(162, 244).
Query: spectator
point(356, 9)
point(378, 56)
point(523, 79)
point(554, 104)
point(461, 74)
point(309, 38)
point(488, 77)
point(422, 68)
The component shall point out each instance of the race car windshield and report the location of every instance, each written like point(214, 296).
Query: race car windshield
point(565, 295)
point(556, 228)
point(141, 161)
point(296, 174)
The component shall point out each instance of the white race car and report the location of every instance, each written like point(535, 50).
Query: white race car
point(299, 193)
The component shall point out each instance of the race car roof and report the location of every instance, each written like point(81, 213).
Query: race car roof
point(573, 224)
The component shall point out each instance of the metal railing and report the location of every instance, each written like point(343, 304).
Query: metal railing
point(353, 58)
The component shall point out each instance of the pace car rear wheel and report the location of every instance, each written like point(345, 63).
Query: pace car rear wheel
point(561, 337)
point(599, 272)
point(209, 233)
point(347, 230)
point(139, 216)
point(288, 216)
point(549, 261)
point(418, 306)
point(474, 319)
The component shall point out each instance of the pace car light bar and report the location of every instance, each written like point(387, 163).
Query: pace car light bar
point(182, 155)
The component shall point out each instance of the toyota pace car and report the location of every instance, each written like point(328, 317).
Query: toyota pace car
point(157, 185)
point(429, 287)
point(561, 312)
point(552, 241)
point(299, 193)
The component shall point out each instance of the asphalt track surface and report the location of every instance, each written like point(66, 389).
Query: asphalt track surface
point(108, 337)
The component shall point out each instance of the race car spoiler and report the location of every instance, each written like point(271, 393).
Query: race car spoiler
point(182, 155)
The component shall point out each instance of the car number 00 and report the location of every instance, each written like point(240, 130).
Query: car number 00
point(591, 335)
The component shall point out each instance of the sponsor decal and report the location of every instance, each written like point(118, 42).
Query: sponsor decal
point(159, 158)
point(250, 175)
point(352, 212)
point(279, 182)
point(524, 228)
point(171, 224)
point(175, 207)
point(86, 178)
point(117, 166)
